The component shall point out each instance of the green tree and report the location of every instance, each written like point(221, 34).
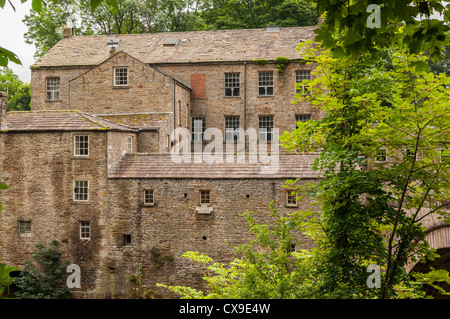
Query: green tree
point(9, 81)
point(45, 27)
point(377, 107)
point(46, 278)
point(21, 100)
point(346, 30)
point(267, 267)
point(6, 280)
point(245, 14)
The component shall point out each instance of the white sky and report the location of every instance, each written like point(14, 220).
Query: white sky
point(12, 30)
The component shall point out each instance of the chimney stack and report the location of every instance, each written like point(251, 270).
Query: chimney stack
point(3, 102)
point(68, 31)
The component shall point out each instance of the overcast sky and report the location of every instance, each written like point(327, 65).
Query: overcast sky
point(12, 30)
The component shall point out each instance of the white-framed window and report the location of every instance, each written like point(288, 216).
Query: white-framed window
point(301, 118)
point(232, 128)
point(265, 83)
point(291, 198)
point(198, 128)
point(149, 197)
point(24, 228)
point(53, 89)
point(85, 230)
point(232, 84)
point(81, 145)
point(300, 76)
point(130, 144)
point(381, 156)
point(81, 191)
point(205, 196)
point(266, 128)
point(120, 76)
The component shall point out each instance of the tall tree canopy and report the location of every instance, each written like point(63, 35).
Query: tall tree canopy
point(346, 30)
point(140, 16)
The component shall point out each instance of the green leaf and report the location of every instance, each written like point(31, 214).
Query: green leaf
point(6, 55)
point(3, 186)
point(37, 5)
point(2, 3)
point(95, 3)
point(112, 5)
point(420, 66)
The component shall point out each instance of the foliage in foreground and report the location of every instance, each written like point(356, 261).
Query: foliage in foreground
point(383, 159)
point(266, 269)
point(46, 278)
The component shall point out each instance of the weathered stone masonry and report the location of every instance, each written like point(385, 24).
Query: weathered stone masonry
point(128, 128)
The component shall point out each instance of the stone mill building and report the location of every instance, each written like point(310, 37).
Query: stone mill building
point(92, 164)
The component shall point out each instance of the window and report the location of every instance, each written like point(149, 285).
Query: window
point(410, 153)
point(205, 197)
point(81, 145)
point(381, 156)
point(24, 228)
point(130, 145)
point(198, 128)
point(148, 197)
point(232, 128)
point(81, 191)
point(265, 83)
point(85, 230)
point(266, 128)
point(291, 198)
point(232, 84)
point(126, 239)
point(120, 76)
point(302, 118)
point(53, 89)
point(299, 77)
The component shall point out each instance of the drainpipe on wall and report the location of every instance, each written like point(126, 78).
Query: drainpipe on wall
point(3, 102)
point(174, 107)
point(245, 104)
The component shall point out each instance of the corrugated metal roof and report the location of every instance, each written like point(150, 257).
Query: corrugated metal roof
point(61, 120)
point(192, 47)
point(163, 166)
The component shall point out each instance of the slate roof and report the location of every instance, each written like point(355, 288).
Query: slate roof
point(61, 120)
point(162, 166)
point(150, 120)
point(192, 47)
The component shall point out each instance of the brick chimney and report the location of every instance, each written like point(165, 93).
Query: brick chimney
point(3, 102)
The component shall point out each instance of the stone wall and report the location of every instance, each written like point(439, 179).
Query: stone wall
point(41, 181)
point(214, 105)
point(148, 90)
point(38, 87)
point(173, 226)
